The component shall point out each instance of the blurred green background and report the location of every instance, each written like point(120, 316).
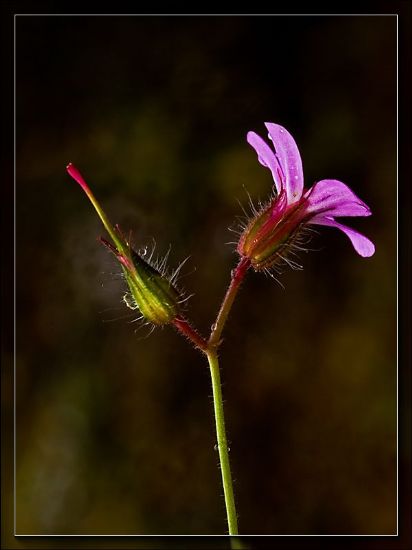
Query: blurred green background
point(115, 433)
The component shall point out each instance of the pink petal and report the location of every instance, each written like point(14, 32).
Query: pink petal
point(266, 157)
point(334, 198)
point(289, 157)
point(363, 246)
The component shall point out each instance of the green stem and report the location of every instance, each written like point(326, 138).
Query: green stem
point(222, 442)
point(238, 275)
point(77, 176)
point(210, 349)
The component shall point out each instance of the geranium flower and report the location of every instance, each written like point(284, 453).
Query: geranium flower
point(270, 234)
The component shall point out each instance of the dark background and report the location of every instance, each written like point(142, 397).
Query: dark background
point(115, 433)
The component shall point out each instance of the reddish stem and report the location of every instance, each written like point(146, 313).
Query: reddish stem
point(184, 327)
point(238, 274)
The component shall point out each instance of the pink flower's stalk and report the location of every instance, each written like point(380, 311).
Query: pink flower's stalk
point(271, 233)
point(222, 445)
point(238, 274)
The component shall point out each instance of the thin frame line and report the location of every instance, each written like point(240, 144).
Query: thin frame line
point(397, 267)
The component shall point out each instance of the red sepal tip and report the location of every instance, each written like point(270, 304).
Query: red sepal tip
point(76, 175)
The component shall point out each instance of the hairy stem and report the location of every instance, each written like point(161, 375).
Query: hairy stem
point(185, 328)
point(222, 442)
point(210, 348)
point(238, 274)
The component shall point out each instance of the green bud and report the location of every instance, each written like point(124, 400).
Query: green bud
point(150, 291)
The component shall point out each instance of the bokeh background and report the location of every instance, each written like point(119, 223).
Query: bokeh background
point(115, 433)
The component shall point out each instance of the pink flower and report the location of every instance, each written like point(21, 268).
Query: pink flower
point(267, 237)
